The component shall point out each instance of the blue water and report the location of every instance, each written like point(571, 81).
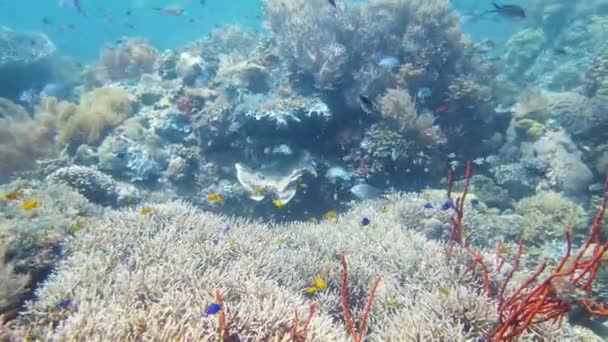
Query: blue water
point(108, 21)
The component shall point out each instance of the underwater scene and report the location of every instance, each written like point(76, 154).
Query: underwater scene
point(303, 170)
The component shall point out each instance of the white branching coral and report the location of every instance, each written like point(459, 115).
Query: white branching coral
point(151, 277)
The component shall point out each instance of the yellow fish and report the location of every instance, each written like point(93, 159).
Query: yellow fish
point(230, 241)
point(443, 291)
point(310, 290)
point(278, 241)
point(312, 219)
point(384, 210)
point(391, 301)
point(78, 225)
point(13, 195)
point(426, 196)
point(332, 214)
point(213, 197)
point(319, 283)
point(504, 249)
point(146, 210)
point(29, 204)
point(278, 203)
point(257, 191)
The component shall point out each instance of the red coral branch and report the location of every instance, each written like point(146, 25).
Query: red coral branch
point(300, 335)
point(552, 296)
point(368, 303)
point(457, 233)
point(224, 327)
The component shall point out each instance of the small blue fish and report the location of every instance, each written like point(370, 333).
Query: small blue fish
point(226, 230)
point(474, 202)
point(428, 205)
point(213, 308)
point(365, 221)
point(64, 304)
point(447, 205)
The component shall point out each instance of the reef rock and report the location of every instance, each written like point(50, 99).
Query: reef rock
point(21, 48)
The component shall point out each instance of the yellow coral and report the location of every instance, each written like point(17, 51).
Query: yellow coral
point(97, 112)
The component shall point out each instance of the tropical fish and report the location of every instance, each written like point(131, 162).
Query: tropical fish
point(310, 290)
point(423, 93)
point(64, 304)
point(213, 308)
point(366, 104)
point(78, 225)
point(257, 191)
point(319, 283)
point(230, 241)
point(365, 221)
point(508, 11)
point(365, 191)
point(13, 195)
point(384, 210)
point(428, 205)
point(146, 210)
point(388, 62)
point(442, 108)
point(29, 204)
point(174, 11)
point(426, 196)
point(331, 214)
point(75, 4)
point(391, 301)
point(447, 205)
point(213, 197)
point(278, 203)
point(444, 291)
point(312, 219)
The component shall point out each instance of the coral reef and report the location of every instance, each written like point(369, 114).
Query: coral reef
point(25, 137)
point(131, 58)
point(13, 287)
point(547, 217)
point(35, 219)
point(96, 186)
point(97, 112)
point(260, 273)
point(565, 168)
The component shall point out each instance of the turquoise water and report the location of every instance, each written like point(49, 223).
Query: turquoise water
point(108, 21)
point(200, 158)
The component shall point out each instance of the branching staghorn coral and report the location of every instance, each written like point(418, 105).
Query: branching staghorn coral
point(160, 269)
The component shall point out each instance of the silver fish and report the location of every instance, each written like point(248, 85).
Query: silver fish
point(366, 191)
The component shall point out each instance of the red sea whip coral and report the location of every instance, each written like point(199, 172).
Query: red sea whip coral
point(539, 298)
